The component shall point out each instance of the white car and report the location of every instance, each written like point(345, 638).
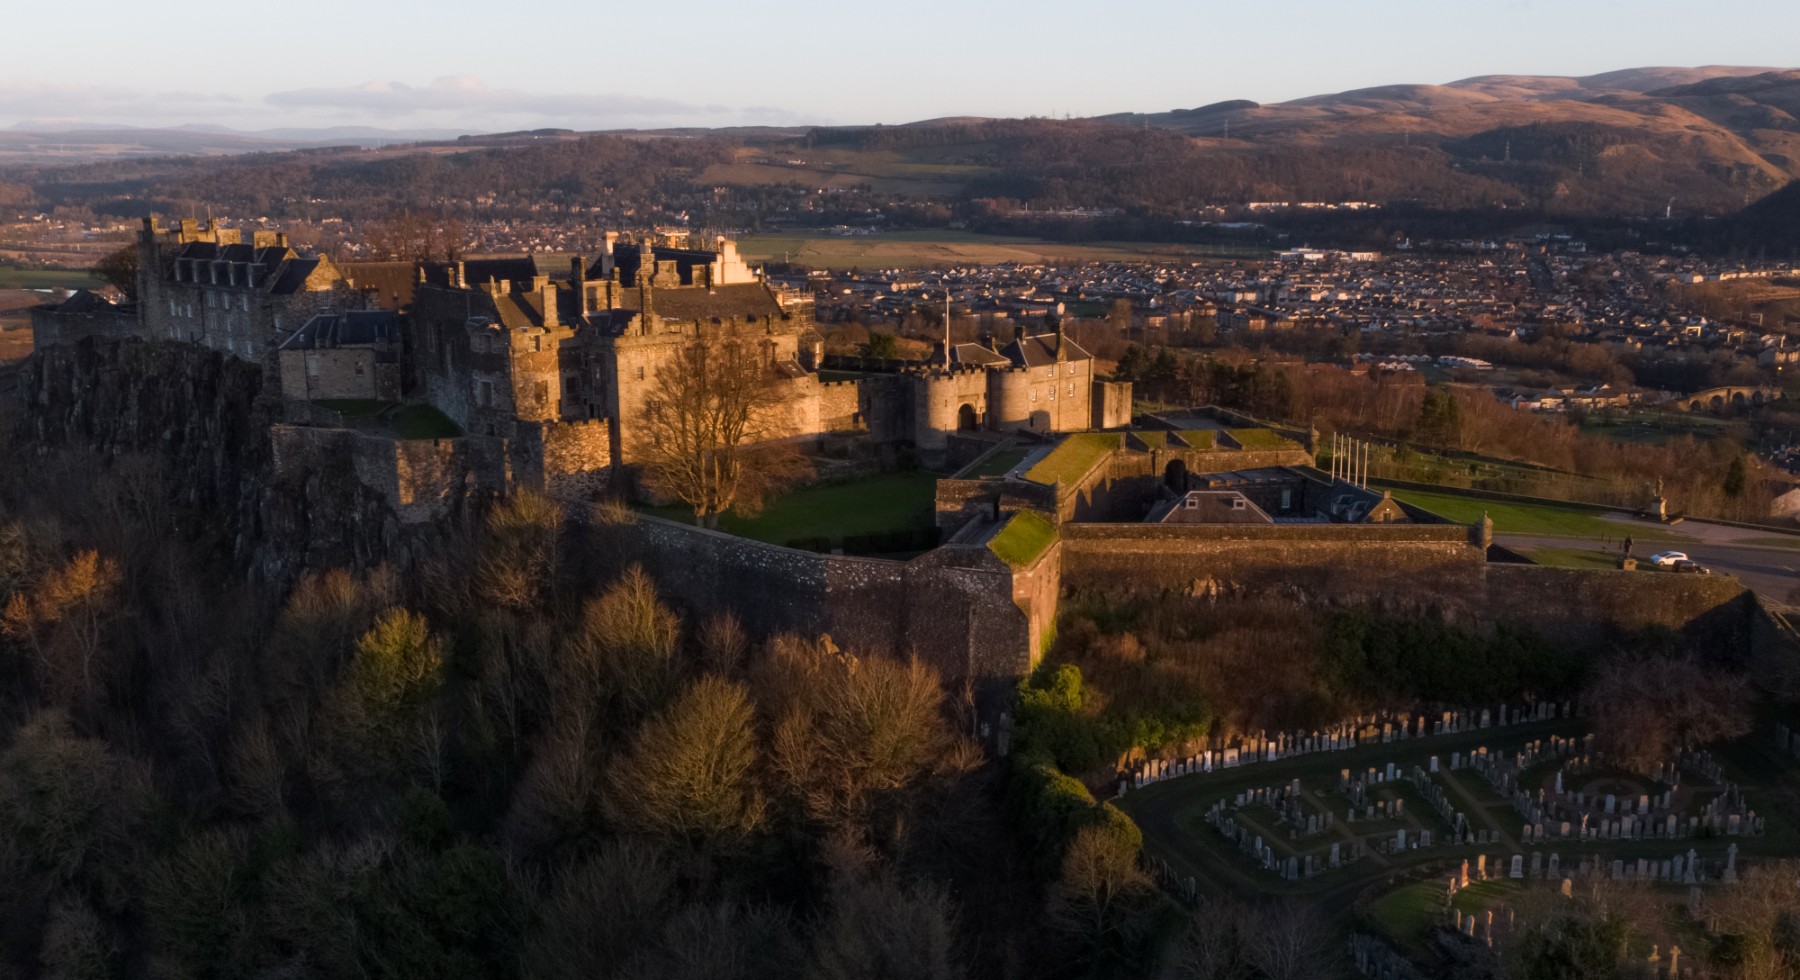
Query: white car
point(1668, 558)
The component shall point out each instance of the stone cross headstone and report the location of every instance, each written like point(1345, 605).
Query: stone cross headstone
point(1730, 877)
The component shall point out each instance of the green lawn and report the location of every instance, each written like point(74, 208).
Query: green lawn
point(1547, 520)
point(1261, 439)
point(1073, 458)
point(1023, 539)
point(1407, 913)
point(423, 422)
point(996, 464)
point(15, 277)
point(880, 504)
point(1575, 558)
point(352, 408)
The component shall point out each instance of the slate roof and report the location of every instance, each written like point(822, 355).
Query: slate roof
point(975, 355)
point(697, 303)
point(392, 282)
point(363, 328)
point(1039, 350)
point(293, 276)
point(83, 301)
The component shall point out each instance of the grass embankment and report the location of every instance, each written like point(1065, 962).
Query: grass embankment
point(1261, 439)
point(1023, 539)
point(882, 504)
point(1074, 457)
point(1541, 520)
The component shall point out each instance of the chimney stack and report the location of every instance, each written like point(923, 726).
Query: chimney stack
point(546, 291)
point(578, 276)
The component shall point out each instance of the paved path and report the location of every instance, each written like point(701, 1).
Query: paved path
point(1763, 560)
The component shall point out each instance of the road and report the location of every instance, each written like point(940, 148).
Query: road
point(1763, 560)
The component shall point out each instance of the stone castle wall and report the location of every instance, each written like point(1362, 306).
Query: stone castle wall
point(422, 480)
point(1405, 569)
point(50, 328)
point(1350, 562)
point(567, 460)
point(954, 608)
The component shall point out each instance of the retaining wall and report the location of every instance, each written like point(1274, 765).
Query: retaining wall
point(952, 607)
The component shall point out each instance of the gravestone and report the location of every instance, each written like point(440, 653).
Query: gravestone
point(1518, 866)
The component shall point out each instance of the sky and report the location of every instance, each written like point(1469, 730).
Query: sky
point(485, 67)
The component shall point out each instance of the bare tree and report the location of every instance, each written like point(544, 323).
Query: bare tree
point(1762, 914)
point(120, 270)
point(1644, 710)
point(709, 434)
point(1103, 898)
point(689, 776)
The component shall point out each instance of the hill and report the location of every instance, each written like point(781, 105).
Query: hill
point(1701, 142)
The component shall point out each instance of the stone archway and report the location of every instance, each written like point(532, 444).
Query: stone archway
point(967, 420)
point(1175, 476)
point(1718, 403)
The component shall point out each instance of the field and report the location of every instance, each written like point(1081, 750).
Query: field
point(891, 502)
point(15, 277)
point(1657, 427)
point(921, 249)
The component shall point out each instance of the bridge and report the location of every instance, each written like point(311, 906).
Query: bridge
point(1732, 397)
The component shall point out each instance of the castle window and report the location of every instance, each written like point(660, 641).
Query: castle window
point(1193, 503)
point(171, 307)
point(359, 369)
point(640, 372)
point(1034, 396)
point(1071, 390)
point(1052, 371)
point(542, 391)
point(1052, 392)
point(486, 394)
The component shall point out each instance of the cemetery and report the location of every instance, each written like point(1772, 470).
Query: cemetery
point(1412, 827)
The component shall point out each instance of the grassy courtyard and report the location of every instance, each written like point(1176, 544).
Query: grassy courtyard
point(890, 503)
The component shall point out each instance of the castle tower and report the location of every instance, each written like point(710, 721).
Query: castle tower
point(1010, 392)
point(935, 405)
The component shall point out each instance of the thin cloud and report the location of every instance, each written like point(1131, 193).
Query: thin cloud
point(465, 96)
point(27, 100)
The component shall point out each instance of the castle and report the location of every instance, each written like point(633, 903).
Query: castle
point(547, 365)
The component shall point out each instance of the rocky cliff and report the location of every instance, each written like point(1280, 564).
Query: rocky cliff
point(206, 418)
